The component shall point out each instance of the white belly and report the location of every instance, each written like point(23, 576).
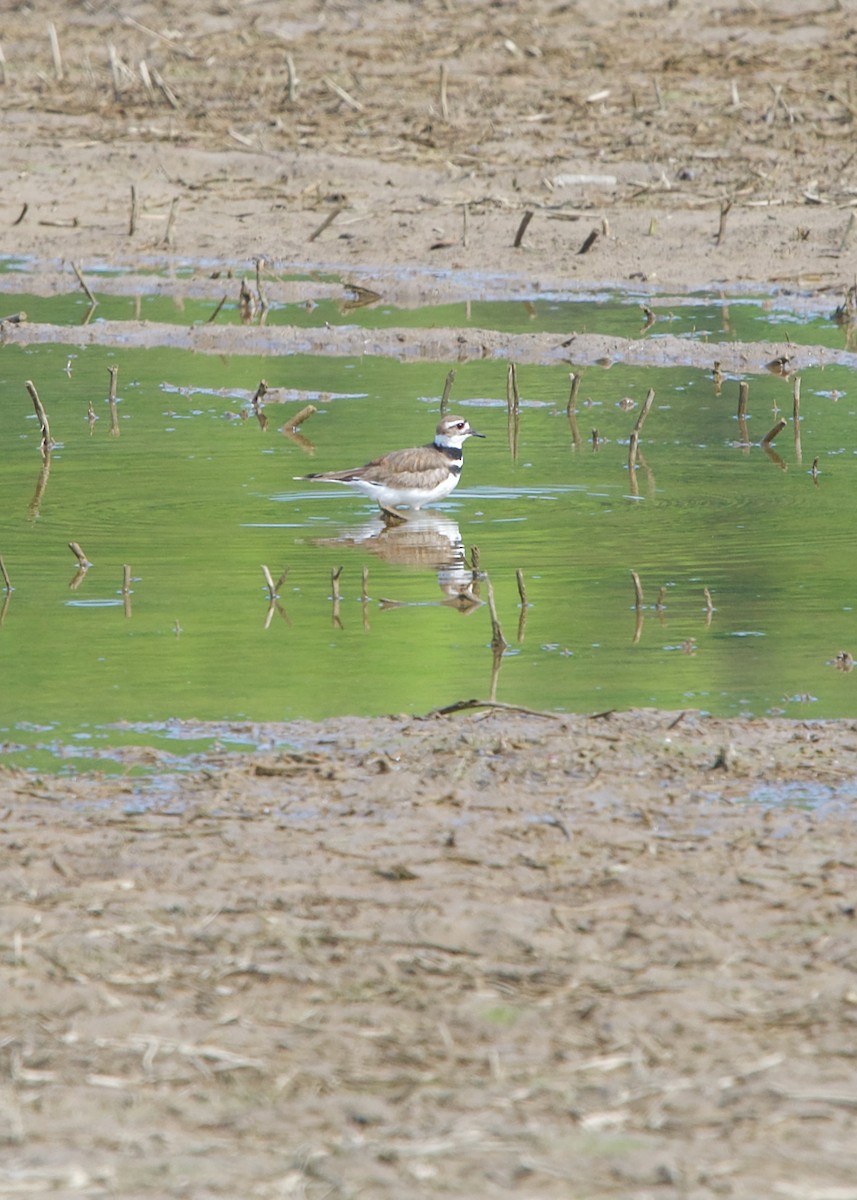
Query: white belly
point(394, 497)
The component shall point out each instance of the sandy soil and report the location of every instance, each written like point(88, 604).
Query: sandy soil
point(485, 953)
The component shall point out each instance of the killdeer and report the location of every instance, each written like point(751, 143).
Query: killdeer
point(411, 477)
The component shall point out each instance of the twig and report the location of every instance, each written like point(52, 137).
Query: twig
point(522, 591)
point(444, 102)
point(171, 42)
point(447, 388)
point(725, 206)
point(147, 79)
point(513, 397)
point(42, 416)
point(848, 235)
point(83, 284)
point(132, 220)
point(115, 72)
point(344, 96)
point(513, 410)
point(291, 79)
point(522, 228)
point(55, 50)
point(644, 411)
point(635, 432)
point(796, 400)
point(273, 588)
point(638, 590)
point(465, 220)
point(170, 232)
point(165, 90)
point(464, 705)
point(363, 297)
point(7, 583)
point(775, 432)
point(335, 573)
point(83, 561)
point(111, 399)
point(588, 242)
point(126, 590)
point(328, 220)
point(743, 393)
point(571, 407)
point(260, 291)
point(304, 415)
point(217, 310)
point(24, 209)
point(256, 402)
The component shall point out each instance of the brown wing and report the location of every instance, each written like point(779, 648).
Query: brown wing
point(400, 468)
point(407, 468)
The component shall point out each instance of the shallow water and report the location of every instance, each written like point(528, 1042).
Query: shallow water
point(195, 497)
point(315, 300)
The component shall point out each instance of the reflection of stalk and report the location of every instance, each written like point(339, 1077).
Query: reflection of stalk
point(334, 581)
point(709, 606)
point(78, 578)
point(291, 427)
point(638, 605)
point(41, 484)
point(7, 583)
point(498, 642)
point(522, 592)
point(126, 588)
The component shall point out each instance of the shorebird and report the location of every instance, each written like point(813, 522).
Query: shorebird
point(412, 477)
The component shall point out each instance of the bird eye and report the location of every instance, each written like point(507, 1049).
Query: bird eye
point(460, 424)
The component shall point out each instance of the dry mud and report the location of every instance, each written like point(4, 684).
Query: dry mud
point(487, 953)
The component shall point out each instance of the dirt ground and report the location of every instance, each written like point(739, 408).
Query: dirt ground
point(475, 954)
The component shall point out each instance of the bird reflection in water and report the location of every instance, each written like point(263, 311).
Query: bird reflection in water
point(428, 540)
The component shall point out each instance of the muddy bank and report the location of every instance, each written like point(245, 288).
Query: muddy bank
point(440, 345)
point(482, 954)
